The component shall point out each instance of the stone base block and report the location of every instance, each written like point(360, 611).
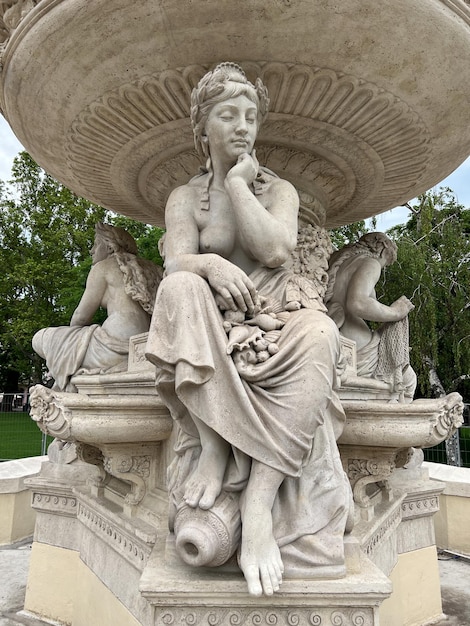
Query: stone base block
point(416, 597)
point(63, 589)
point(181, 595)
point(108, 559)
point(17, 518)
point(59, 581)
point(451, 521)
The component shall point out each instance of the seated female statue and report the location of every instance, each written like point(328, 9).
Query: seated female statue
point(351, 301)
point(246, 356)
point(123, 284)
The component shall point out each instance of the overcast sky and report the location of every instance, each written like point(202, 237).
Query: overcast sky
point(458, 181)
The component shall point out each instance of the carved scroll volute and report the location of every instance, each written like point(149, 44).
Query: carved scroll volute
point(51, 416)
point(130, 468)
point(365, 471)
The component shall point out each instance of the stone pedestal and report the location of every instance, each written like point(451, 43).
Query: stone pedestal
point(103, 518)
point(221, 598)
point(129, 570)
point(416, 566)
point(16, 516)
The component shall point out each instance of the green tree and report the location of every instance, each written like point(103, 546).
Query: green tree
point(46, 231)
point(46, 234)
point(349, 233)
point(433, 271)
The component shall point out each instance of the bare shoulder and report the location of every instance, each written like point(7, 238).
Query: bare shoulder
point(179, 196)
point(370, 262)
point(105, 271)
point(268, 180)
point(276, 190)
point(182, 200)
point(366, 266)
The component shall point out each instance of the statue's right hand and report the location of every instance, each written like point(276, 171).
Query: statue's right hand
point(232, 284)
point(403, 306)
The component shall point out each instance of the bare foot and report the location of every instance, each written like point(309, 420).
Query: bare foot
point(204, 484)
point(260, 559)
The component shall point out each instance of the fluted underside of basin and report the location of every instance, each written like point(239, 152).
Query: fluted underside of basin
point(367, 110)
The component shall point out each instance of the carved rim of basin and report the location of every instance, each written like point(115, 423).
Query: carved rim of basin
point(100, 419)
point(368, 108)
point(130, 419)
point(421, 424)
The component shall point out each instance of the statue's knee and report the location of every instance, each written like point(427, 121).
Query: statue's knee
point(182, 284)
point(320, 325)
point(322, 335)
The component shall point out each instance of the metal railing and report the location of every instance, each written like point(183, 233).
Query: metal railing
point(19, 435)
point(456, 449)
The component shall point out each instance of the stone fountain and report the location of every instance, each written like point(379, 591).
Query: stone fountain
point(368, 110)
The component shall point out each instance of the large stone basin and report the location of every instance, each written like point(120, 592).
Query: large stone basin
point(423, 423)
point(369, 100)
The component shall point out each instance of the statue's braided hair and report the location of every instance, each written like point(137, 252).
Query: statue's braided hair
point(225, 81)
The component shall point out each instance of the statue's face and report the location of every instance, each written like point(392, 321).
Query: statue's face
point(99, 252)
point(390, 255)
point(231, 128)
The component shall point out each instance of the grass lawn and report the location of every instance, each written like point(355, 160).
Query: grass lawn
point(19, 436)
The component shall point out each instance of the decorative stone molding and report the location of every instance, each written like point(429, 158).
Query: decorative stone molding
point(348, 355)
point(385, 529)
point(50, 414)
point(93, 456)
point(370, 132)
point(342, 602)
point(89, 454)
point(198, 616)
point(131, 463)
point(338, 138)
point(456, 6)
point(375, 469)
point(129, 547)
point(59, 504)
point(422, 506)
point(98, 419)
point(420, 424)
point(133, 469)
point(12, 12)
point(137, 359)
